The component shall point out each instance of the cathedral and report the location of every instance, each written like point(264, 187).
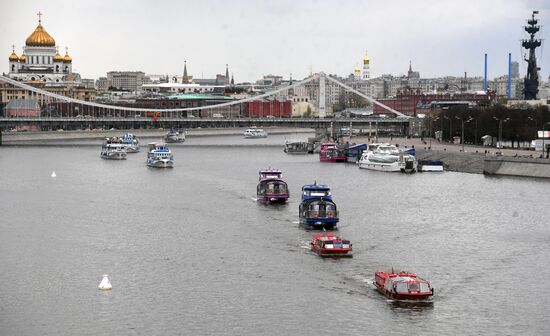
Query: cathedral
point(41, 61)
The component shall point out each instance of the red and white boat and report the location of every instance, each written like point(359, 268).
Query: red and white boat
point(403, 286)
point(272, 188)
point(328, 245)
point(330, 152)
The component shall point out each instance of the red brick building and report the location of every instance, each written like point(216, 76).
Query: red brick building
point(412, 102)
point(264, 108)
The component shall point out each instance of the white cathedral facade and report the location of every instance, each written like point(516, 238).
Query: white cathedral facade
point(41, 61)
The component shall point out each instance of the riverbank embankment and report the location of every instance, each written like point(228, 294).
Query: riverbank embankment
point(12, 138)
point(476, 159)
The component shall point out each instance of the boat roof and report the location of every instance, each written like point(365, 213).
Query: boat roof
point(315, 187)
point(329, 236)
point(270, 171)
point(161, 149)
point(359, 146)
point(403, 277)
point(270, 179)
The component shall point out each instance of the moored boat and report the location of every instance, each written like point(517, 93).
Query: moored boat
point(403, 286)
point(353, 152)
point(174, 135)
point(317, 210)
point(255, 133)
point(113, 149)
point(298, 147)
point(430, 166)
point(272, 188)
point(130, 142)
point(386, 157)
point(328, 245)
point(159, 156)
point(330, 152)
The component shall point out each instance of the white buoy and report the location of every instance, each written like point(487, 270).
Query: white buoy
point(54, 174)
point(105, 283)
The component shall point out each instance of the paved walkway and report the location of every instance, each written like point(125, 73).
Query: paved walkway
point(435, 145)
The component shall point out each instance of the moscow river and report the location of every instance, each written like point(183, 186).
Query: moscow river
point(190, 252)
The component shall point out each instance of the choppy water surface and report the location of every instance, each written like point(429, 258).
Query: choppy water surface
point(190, 252)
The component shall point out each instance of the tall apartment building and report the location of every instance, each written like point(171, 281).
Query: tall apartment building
point(126, 80)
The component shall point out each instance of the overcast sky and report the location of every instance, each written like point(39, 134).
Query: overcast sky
point(258, 37)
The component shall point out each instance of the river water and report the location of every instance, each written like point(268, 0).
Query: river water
point(190, 252)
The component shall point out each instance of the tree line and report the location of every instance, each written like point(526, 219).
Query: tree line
point(518, 123)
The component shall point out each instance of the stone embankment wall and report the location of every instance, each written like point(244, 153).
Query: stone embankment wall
point(479, 163)
point(455, 161)
point(517, 166)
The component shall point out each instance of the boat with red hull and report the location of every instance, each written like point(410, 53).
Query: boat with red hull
point(328, 245)
point(330, 152)
point(272, 188)
point(403, 286)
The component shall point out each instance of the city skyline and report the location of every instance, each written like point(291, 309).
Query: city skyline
point(440, 39)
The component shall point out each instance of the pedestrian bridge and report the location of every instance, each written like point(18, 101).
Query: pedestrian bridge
point(61, 112)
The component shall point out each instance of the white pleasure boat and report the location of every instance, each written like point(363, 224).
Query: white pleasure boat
point(159, 156)
point(388, 158)
point(254, 133)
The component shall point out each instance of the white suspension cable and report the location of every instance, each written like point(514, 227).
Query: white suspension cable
point(364, 96)
point(123, 108)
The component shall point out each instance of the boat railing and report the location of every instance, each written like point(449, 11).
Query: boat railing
point(321, 214)
point(276, 192)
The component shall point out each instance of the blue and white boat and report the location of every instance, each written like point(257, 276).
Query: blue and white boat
point(159, 156)
point(113, 149)
point(317, 210)
point(353, 153)
point(430, 166)
point(130, 142)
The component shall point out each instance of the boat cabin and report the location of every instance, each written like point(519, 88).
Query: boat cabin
point(272, 188)
point(316, 191)
point(318, 209)
point(270, 174)
point(354, 152)
point(328, 245)
point(298, 147)
point(403, 285)
point(330, 152)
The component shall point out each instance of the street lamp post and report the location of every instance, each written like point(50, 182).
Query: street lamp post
point(500, 121)
point(431, 129)
point(450, 125)
point(535, 120)
point(462, 134)
point(543, 136)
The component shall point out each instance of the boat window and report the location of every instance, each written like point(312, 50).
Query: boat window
point(329, 245)
point(414, 287)
point(424, 287)
point(401, 287)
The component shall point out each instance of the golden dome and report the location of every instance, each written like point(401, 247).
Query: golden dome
point(40, 37)
point(357, 69)
point(57, 57)
point(366, 59)
point(23, 57)
point(14, 57)
point(67, 58)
